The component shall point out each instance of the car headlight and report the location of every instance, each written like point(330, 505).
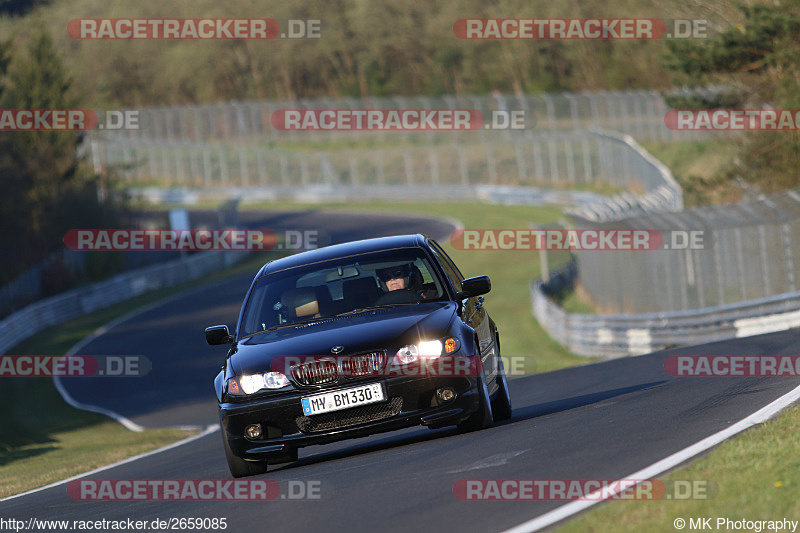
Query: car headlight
point(252, 383)
point(410, 353)
point(430, 348)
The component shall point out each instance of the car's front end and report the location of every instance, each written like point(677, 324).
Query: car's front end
point(276, 396)
point(352, 340)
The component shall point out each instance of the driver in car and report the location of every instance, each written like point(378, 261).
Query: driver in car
point(396, 281)
point(395, 278)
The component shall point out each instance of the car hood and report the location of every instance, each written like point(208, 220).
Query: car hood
point(378, 329)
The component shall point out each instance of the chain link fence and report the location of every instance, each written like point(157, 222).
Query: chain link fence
point(234, 144)
point(637, 113)
point(615, 335)
point(563, 160)
point(710, 257)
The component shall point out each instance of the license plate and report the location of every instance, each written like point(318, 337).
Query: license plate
point(342, 399)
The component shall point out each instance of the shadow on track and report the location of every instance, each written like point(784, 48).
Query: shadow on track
point(422, 435)
point(557, 406)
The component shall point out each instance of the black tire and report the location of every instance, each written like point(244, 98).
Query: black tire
point(238, 466)
point(482, 418)
point(501, 405)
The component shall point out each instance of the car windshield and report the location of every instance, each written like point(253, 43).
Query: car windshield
point(342, 286)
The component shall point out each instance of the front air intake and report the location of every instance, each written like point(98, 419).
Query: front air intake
point(316, 373)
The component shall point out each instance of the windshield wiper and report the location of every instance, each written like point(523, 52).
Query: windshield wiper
point(324, 318)
point(287, 325)
point(370, 308)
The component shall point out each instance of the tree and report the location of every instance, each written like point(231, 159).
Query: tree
point(757, 61)
point(19, 7)
point(44, 192)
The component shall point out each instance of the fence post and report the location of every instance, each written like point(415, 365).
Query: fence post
point(538, 161)
point(569, 155)
point(522, 170)
point(433, 158)
point(552, 152)
point(284, 163)
point(379, 167)
point(408, 167)
point(491, 165)
point(463, 167)
point(353, 170)
point(223, 167)
point(261, 164)
point(244, 170)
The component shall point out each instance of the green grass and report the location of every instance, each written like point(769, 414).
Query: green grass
point(755, 476)
point(577, 302)
point(702, 168)
point(43, 439)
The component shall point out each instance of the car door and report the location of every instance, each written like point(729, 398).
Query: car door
point(474, 315)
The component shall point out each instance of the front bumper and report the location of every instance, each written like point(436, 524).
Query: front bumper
point(411, 401)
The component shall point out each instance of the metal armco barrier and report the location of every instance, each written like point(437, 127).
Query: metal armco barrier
point(78, 302)
point(739, 253)
point(634, 166)
point(635, 334)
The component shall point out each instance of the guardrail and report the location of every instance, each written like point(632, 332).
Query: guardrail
point(436, 172)
point(621, 335)
point(75, 303)
point(500, 194)
point(628, 162)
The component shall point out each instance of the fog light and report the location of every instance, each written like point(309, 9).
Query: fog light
point(253, 431)
point(446, 394)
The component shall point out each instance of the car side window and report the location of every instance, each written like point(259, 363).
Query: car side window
point(449, 267)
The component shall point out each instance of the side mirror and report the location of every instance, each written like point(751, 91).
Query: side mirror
point(475, 286)
point(216, 335)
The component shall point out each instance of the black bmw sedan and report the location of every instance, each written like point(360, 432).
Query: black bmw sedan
point(355, 339)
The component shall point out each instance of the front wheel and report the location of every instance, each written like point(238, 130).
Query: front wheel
point(501, 405)
point(238, 466)
point(482, 418)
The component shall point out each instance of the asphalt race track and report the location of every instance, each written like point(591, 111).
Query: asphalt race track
point(600, 421)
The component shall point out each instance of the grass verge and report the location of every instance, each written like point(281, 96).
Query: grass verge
point(43, 439)
point(702, 168)
point(754, 476)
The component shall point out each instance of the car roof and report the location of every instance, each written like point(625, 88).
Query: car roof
point(343, 250)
